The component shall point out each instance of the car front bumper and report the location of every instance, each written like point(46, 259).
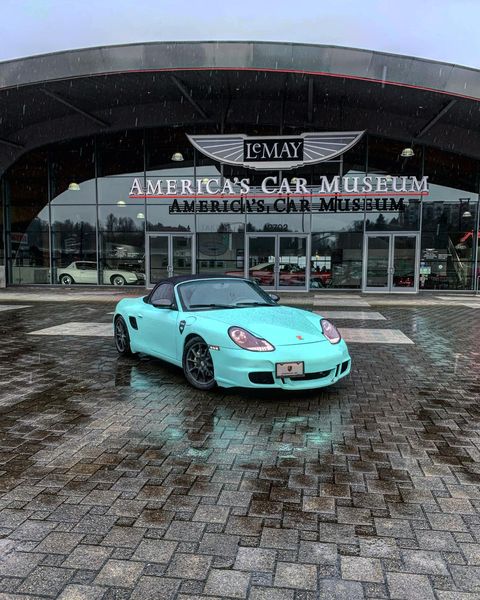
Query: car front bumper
point(324, 364)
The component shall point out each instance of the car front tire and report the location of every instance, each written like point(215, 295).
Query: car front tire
point(198, 364)
point(66, 279)
point(122, 338)
point(118, 280)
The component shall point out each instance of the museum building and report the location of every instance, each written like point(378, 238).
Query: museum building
point(304, 167)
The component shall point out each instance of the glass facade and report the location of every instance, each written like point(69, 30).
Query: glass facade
point(67, 217)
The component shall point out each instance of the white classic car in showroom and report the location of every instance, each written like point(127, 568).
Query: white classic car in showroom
point(86, 272)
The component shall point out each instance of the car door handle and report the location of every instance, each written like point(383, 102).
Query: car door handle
point(140, 316)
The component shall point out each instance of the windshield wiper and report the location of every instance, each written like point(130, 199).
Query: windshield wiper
point(254, 304)
point(210, 306)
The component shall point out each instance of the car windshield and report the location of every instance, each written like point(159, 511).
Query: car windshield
point(209, 294)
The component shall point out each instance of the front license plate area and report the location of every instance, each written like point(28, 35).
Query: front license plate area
point(289, 369)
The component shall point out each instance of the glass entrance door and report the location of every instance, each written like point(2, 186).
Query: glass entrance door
point(292, 262)
point(278, 261)
point(262, 261)
point(391, 262)
point(378, 262)
point(404, 263)
point(168, 255)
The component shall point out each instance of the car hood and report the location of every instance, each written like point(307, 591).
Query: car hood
point(280, 325)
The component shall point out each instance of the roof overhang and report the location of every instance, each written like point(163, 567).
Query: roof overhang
point(300, 87)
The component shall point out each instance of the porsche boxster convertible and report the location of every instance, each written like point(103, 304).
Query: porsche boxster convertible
point(227, 331)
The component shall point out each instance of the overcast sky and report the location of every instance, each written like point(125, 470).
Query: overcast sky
point(446, 30)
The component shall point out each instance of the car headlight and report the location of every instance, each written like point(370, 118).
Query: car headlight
point(248, 341)
point(330, 331)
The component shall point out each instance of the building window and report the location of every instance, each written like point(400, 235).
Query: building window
point(74, 245)
point(121, 244)
point(221, 252)
point(336, 260)
point(69, 204)
point(159, 218)
point(72, 172)
point(28, 245)
point(121, 153)
point(406, 219)
point(2, 229)
point(449, 224)
point(448, 241)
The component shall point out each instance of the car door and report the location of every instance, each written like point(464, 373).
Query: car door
point(90, 273)
point(158, 326)
point(85, 272)
point(78, 272)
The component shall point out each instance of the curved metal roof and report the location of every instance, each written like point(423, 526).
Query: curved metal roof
point(51, 97)
point(286, 57)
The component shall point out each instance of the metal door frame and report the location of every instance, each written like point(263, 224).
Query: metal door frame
point(390, 289)
point(276, 271)
point(169, 236)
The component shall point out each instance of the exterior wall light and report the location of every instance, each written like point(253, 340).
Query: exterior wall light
point(121, 203)
point(205, 180)
point(73, 187)
point(293, 180)
point(467, 214)
point(407, 152)
point(389, 179)
point(140, 215)
point(177, 156)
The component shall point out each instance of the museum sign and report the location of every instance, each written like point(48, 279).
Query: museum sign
point(273, 194)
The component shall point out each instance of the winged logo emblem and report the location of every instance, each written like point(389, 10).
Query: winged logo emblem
point(275, 152)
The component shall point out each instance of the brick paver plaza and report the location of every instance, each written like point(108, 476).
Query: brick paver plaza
point(117, 480)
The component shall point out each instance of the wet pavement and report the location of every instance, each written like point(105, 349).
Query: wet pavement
point(119, 481)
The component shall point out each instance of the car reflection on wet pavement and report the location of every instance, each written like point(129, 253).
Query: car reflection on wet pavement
point(117, 480)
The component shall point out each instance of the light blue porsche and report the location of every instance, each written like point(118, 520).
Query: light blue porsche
point(227, 331)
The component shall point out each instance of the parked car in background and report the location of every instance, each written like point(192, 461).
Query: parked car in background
point(264, 274)
point(86, 272)
point(404, 280)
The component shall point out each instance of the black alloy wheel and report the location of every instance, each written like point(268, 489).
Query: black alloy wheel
point(122, 339)
point(198, 364)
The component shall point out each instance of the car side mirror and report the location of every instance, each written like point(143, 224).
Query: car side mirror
point(274, 297)
point(162, 303)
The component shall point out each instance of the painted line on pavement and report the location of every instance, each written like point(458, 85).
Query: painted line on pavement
point(374, 336)
point(342, 296)
point(4, 307)
point(298, 300)
point(357, 335)
point(340, 302)
point(77, 329)
point(457, 297)
point(357, 315)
